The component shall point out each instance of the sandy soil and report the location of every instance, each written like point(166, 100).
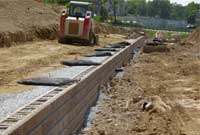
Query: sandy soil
point(30, 20)
point(26, 20)
point(195, 36)
point(31, 59)
point(158, 95)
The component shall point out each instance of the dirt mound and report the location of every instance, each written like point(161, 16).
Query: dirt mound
point(151, 49)
point(195, 36)
point(158, 95)
point(22, 20)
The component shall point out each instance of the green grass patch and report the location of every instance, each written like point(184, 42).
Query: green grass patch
point(151, 33)
point(98, 18)
point(184, 35)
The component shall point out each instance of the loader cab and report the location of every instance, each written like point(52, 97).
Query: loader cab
point(79, 9)
point(76, 24)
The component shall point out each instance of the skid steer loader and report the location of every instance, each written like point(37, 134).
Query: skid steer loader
point(77, 25)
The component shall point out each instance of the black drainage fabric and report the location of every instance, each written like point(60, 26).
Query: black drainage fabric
point(100, 54)
point(119, 69)
point(124, 43)
point(43, 81)
point(115, 46)
point(80, 63)
point(154, 42)
point(107, 49)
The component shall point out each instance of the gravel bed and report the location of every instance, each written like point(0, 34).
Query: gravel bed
point(11, 102)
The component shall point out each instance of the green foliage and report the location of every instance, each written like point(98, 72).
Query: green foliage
point(151, 33)
point(153, 8)
point(177, 11)
point(103, 11)
point(163, 9)
point(191, 12)
point(136, 7)
point(184, 35)
point(98, 18)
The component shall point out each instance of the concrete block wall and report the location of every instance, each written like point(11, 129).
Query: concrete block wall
point(64, 113)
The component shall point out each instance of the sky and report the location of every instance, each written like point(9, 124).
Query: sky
point(184, 2)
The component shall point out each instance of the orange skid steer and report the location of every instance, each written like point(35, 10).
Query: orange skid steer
point(77, 25)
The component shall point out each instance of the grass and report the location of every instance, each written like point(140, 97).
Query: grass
point(184, 35)
point(152, 33)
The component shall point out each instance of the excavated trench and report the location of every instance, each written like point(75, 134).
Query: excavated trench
point(102, 96)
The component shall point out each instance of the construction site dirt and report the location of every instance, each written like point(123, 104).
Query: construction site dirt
point(159, 94)
point(32, 59)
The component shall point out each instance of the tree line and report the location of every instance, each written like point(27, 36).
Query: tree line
point(154, 8)
point(163, 9)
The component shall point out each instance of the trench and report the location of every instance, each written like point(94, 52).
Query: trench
point(93, 111)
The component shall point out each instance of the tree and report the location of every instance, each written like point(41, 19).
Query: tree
point(192, 10)
point(103, 12)
point(115, 6)
point(161, 8)
point(136, 7)
point(177, 11)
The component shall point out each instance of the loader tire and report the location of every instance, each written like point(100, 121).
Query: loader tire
point(96, 39)
point(92, 39)
point(62, 40)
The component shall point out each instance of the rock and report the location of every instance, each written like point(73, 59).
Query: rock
point(136, 99)
point(101, 132)
point(128, 102)
point(113, 96)
point(155, 104)
point(109, 120)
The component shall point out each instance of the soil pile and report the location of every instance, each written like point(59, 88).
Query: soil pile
point(22, 20)
point(195, 36)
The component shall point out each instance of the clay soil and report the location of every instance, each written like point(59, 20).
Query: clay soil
point(26, 20)
point(169, 82)
point(32, 59)
point(30, 20)
point(24, 25)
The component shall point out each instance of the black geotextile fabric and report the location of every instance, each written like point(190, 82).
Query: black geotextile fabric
point(45, 81)
point(107, 49)
point(124, 43)
point(115, 46)
point(118, 45)
point(100, 54)
point(80, 63)
point(154, 42)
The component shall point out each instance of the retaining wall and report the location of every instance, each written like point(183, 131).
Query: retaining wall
point(62, 110)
